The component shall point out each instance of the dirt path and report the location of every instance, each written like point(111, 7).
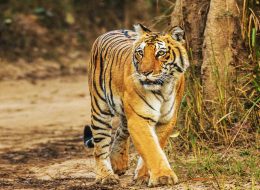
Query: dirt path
point(41, 125)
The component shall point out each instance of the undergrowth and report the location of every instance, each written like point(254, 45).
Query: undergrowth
point(239, 170)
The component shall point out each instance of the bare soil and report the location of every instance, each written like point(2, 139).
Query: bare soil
point(41, 124)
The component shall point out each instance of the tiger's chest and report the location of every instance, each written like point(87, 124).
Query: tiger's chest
point(168, 104)
point(167, 110)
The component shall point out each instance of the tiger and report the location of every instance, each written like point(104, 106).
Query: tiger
point(137, 76)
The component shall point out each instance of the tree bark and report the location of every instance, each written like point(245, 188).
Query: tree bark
point(217, 69)
point(192, 16)
point(211, 28)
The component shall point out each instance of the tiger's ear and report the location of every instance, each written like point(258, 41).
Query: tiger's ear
point(177, 33)
point(141, 29)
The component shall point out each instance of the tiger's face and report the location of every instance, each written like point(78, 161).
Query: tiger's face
point(158, 58)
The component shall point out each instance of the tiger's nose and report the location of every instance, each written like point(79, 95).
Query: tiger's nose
point(146, 73)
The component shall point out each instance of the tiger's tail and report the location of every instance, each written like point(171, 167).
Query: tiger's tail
point(88, 137)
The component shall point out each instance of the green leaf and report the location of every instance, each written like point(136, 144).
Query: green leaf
point(253, 37)
point(174, 135)
point(70, 18)
point(39, 10)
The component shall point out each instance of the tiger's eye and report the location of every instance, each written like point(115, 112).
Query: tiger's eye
point(140, 52)
point(160, 53)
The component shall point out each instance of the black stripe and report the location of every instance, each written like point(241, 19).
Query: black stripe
point(94, 127)
point(108, 43)
point(100, 110)
point(104, 78)
point(94, 74)
point(147, 118)
point(105, 72)
point(98, 139)
point(110, 80)
point(103, 134)
point(159, 94)
point(144, 99)
point(100, 154)
point(112, 45)
point(174, 55)
point(108, 90)
point(115, 56)
point(100, 121)
point(106, 145)
point(93, 111)
point(123, 136)
point(169, 111)
point(95, 88)
point(123, 50)
point(123, 122)
point(156, 96)
point(101, 71)
point(129, 52)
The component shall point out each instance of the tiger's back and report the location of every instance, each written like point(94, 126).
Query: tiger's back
point(110, 53)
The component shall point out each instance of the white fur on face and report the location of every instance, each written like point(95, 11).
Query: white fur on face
point(142, 45)
point(160, 46)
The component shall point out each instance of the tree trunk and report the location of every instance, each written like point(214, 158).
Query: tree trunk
point(192, 15)
point(211, 31)
point(217, 69)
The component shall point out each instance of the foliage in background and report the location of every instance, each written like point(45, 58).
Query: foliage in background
point(49, 29)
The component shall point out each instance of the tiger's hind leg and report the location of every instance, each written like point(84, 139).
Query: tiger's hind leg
point(120, 148)
point(141, 175)
point(101, 130)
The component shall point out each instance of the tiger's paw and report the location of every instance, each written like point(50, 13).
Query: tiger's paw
point(143, 180)
point(167, 178)
point(111, 179)
point(119, 162)
point(141, 176)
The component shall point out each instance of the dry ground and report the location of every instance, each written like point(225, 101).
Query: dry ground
point(41, 124)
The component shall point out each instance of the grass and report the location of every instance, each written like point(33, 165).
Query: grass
point(239, 170)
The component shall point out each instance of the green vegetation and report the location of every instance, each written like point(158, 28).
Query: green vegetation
point(43, 28)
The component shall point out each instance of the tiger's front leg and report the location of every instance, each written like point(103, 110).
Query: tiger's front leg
point(163, 132)
point(101, 129)
point(144, 137)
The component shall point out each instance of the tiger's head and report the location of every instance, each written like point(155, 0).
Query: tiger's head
point(159, 58)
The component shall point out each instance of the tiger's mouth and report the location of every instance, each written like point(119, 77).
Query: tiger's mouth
point(152, 82)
